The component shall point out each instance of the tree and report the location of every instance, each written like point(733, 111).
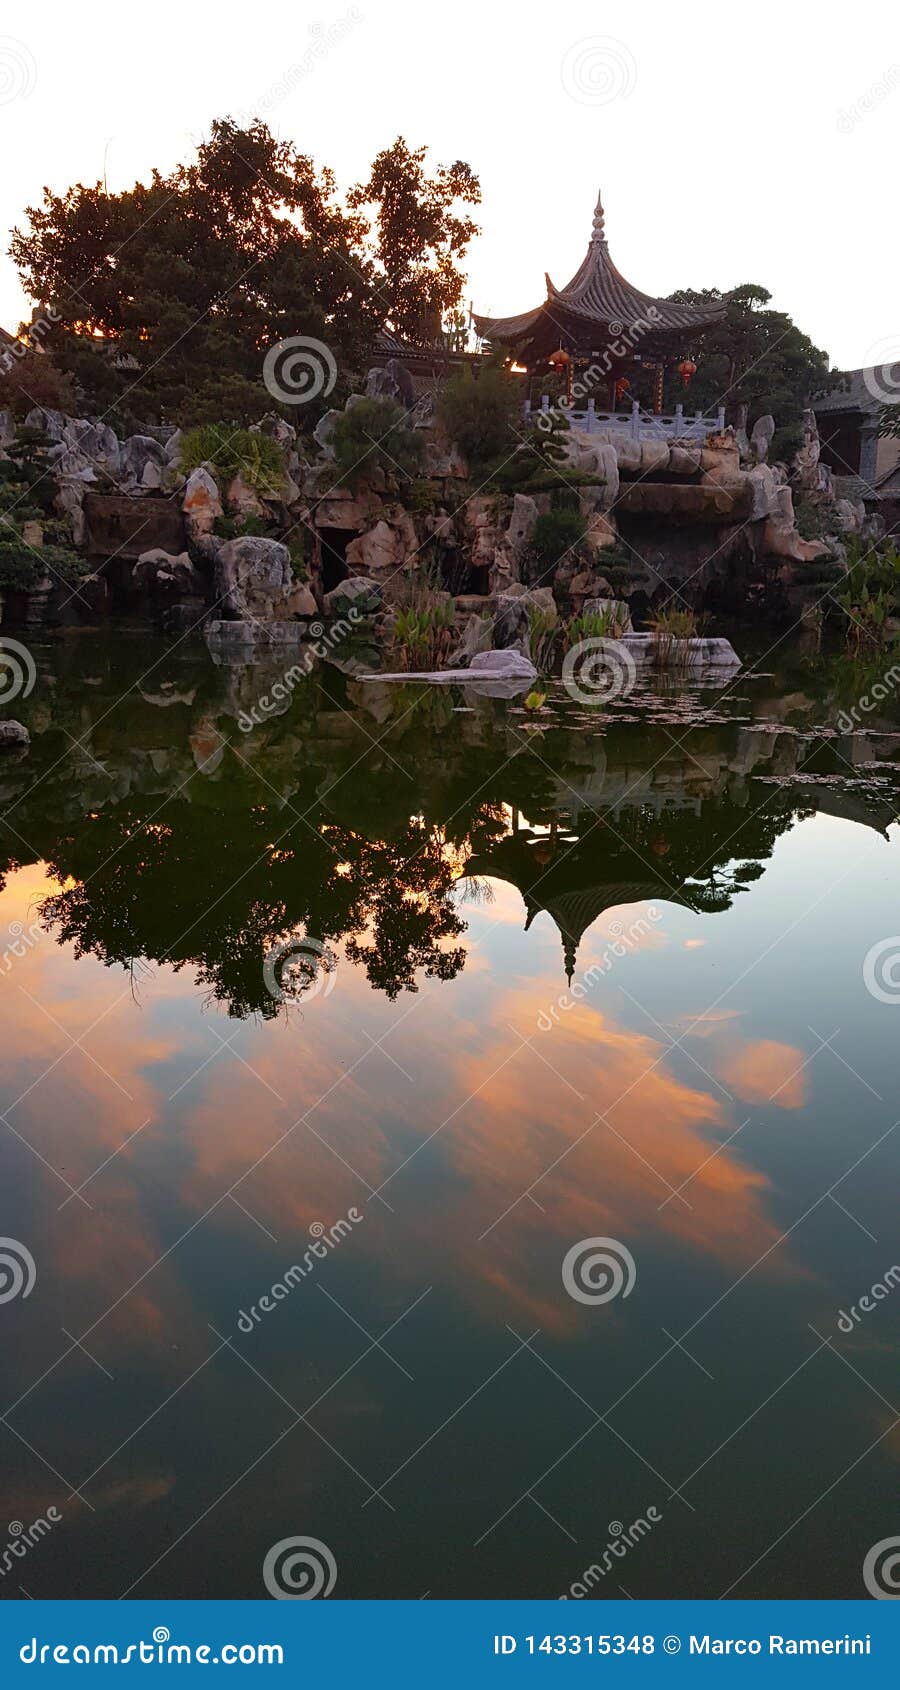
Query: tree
point(165, 297)
point(419, 238)
point(756, 357)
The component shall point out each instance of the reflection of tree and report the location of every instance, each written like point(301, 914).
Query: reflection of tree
point(312, 826)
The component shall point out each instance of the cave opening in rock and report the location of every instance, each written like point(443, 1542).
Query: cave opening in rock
point(334, 557)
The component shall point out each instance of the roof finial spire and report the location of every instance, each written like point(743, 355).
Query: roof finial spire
point(598, 232)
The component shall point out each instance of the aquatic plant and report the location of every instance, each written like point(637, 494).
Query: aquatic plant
point(673, 629)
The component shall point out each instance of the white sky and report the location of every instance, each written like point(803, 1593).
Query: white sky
point(730, 142)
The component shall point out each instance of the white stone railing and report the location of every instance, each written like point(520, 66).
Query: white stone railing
point(634, 424)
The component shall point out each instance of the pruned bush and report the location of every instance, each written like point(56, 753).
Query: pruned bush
point(375, 435)
point(479, 414)
point(257, 458)
point(29, 378)
point(554, 534)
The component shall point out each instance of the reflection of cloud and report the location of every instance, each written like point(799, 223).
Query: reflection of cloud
point(766, 1072)
point(705, 1025)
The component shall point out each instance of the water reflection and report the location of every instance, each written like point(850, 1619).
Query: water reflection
point(487, 1086)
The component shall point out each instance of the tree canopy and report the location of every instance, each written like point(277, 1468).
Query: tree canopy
point(165, 297)
point(756, 357)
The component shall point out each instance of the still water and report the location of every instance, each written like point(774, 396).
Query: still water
point(406, 995)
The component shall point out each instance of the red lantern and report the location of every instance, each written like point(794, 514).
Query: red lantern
point(686, 369)
point(623, 386)
point(559, 359)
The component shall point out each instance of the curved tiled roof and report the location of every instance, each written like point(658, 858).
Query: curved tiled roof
point(599, 295)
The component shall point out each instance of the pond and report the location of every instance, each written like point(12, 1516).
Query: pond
point(461, 1135)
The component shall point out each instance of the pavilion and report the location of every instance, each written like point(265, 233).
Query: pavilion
point(601, 324)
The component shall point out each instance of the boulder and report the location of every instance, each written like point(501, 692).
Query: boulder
point(781, 538)
point(94, 441)
point(522, 520)
point(761, 438)
point(167, 577)
point(46, 421)
point(628, 454)
point(302, 602)
point(358, 592)
point(200, 503)
point(654, 457)
point(422, 414)
point(13, 736)
point(142, 461)
point(323, 431)
point(392, 382)
point(600, 533)
point(684, 460)
point(850, 515)
point(765, 485)
point(254, 579)
point(241, 500)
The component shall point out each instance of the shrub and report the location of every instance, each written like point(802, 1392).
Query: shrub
point(375, 435)
point(29, 378)
point(606, 624)
point(422, 638)
point(257, 458)
point(554, 534)
point(479, 414)
point(23, 567)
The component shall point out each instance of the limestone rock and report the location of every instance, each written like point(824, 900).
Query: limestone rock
point(380, 551)
point(780, 536)
point(684, 460)
point(13, 736)
point(323, 431)
point(358, 592)
point(654, 457)
point(616, 609)
point(142, 462)
point(600, 533)
point(301, 602)
point(422, 414)
point(392, 382)
point(241, 500)
point(254, 579)
point(522, 520)
point(761, 438)
point(165, 576)
point(46, 421)
point(200, 503)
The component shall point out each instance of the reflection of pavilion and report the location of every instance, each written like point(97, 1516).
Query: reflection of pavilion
point(575, 882)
